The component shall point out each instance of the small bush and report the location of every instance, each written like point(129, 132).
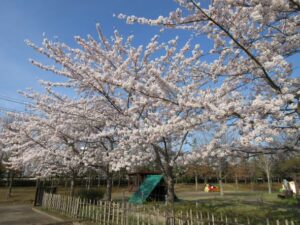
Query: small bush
point(91, 194)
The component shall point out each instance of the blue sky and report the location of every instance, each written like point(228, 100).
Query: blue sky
point(29, 19)
point(20, 20)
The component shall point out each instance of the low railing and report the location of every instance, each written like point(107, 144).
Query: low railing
point(123, 213)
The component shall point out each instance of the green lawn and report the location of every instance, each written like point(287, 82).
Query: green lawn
point(25, 195)
point(245, 203)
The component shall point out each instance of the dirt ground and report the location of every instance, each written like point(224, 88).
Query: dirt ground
point(22, 215)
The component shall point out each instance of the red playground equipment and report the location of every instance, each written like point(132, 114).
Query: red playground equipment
point(211, 188)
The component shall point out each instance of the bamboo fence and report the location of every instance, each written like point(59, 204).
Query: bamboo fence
point(123, 213)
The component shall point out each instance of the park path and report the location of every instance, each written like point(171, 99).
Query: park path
point(22, 215)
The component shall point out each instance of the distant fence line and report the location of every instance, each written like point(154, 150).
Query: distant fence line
point(123, 213)
point(19, 182)
point(123, 182)
point(62, 181)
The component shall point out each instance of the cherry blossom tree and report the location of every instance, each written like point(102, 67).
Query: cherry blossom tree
point(144, 103)
point(9, 152)
point(151, 95)
point(80, 128)
point(56, 139)
point(252, 43)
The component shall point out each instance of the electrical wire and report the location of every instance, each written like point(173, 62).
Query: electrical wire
point(13, 100)
point(4, 109)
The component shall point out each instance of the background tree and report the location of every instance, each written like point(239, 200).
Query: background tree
point(238, 169)
point(266, 163)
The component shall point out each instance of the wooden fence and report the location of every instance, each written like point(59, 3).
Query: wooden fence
point(118, 213)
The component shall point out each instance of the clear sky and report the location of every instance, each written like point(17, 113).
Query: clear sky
point(29, 19)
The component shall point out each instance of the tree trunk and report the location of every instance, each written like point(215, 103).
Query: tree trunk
point(7, 178)
point(221, 187)
point(10, 184)
point(89, 182)
point(109, 183)
point(167, 172)
point(196, 182)
point(252, 185)
point(169, 178)
point(37, 190)
point(269, 181)
point(52, 182)
point(170, 190)
point(236, 183)
point(72, 186)
point(119, 179)
point(220, 178)
point(221, 183)
point(205, 180)
point(109, 186)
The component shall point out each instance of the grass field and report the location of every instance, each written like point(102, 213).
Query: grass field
point(184, 192)
point(242, 203)
point(19, 195)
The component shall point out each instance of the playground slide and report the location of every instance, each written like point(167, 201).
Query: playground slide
point(145, 189)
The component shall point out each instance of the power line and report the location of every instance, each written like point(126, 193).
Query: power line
point(9, 99)
point(3, 109)
point(7, 96)
point(13, 101)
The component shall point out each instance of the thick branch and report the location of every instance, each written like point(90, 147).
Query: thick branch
point(266, 75)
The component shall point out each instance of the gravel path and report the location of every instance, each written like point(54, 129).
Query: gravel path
point(22, 215)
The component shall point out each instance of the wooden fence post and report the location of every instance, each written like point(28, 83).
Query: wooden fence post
point(126, 214)
point(104, 216)
point(123, 213)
